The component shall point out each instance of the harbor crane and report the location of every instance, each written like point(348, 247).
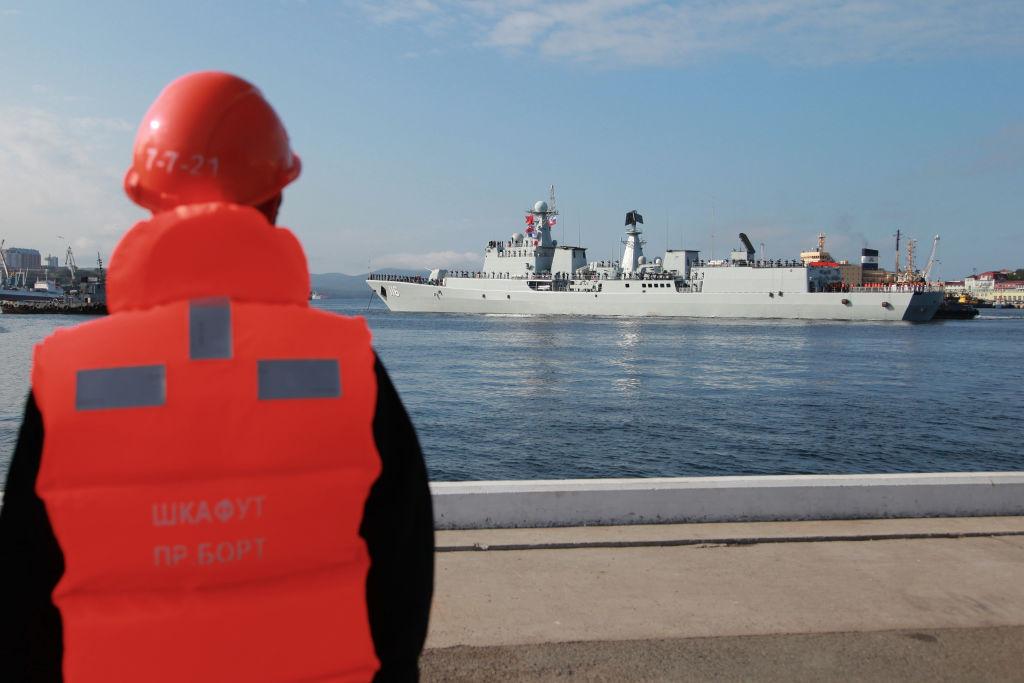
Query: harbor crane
point(932, 260)
point(69, 262)
point(3, 262)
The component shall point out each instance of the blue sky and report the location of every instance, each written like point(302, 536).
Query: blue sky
point(427, 126)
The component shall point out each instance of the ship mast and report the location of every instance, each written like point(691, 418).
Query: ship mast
point(544, 217)
point(896, 268)
point(911, 248)
point(634, 243)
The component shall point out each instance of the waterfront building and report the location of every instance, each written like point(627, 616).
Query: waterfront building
point(953, 287)
point(852, 273)
point(18, 258)
point(995, 286)
point(876, 275)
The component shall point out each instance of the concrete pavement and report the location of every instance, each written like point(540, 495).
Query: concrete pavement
point(666, 596)
point(981, 654)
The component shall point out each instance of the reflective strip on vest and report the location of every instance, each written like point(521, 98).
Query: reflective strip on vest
point(280, 379)
point(137, 387)
point(209, 329)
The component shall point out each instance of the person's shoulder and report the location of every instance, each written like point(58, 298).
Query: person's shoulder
point(199, 215)
point(352, 326)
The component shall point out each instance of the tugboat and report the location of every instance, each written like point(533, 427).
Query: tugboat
point(953, 308)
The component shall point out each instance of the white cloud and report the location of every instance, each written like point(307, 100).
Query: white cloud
point(434, 259)
point(62, 176)
point(818, 32)
point(398, 10)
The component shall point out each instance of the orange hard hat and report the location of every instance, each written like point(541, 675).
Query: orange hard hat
point(209, 136)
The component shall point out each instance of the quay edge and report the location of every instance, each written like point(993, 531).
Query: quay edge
point(610, 502)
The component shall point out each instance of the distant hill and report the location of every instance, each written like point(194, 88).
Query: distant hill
point(342, 286)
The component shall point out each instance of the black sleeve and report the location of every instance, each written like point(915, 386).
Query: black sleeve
point(31, 563)
point(398, 526)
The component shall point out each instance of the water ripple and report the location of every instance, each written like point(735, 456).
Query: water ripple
point(517, 397)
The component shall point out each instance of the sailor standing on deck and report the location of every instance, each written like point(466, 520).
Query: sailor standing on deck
point(215, 482)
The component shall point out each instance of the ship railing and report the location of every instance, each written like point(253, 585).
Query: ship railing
point(386, 277)
point(896, 287)
point(769, 263)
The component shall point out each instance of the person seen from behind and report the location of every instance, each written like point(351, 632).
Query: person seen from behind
point(215, 482)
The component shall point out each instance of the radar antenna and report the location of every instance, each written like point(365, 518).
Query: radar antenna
point(541, 218)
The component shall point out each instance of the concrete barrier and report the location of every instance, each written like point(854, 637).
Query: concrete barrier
point(584, 502)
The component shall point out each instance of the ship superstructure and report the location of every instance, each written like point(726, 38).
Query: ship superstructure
point(531, 273)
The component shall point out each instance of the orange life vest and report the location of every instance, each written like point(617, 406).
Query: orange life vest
point(208, 453)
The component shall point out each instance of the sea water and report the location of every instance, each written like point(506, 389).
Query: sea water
point(526, 397)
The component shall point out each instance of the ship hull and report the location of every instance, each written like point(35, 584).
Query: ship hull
point(513, 297)
point(28, 295)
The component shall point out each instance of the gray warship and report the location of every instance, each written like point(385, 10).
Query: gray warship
point(532, 274)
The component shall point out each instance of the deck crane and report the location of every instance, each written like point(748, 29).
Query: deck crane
point(927, 272)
